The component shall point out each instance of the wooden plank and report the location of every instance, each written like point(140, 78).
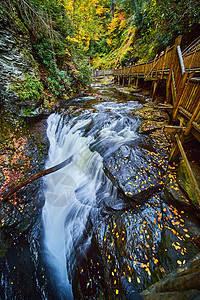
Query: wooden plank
point(175, 152)
point(195, 79)
point(182, 96)
point(196, 126)
point(173, 129)
point(184, 112)
point(192, 96)
point(189, 125)
point(180, 92)
point(193, 57)
point(188, 167)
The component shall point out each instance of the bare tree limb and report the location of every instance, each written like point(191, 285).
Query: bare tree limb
point(13, 189)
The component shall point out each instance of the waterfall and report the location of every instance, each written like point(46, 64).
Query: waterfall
point(70, 195)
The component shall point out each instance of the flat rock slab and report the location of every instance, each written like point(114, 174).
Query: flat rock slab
point(137, 171)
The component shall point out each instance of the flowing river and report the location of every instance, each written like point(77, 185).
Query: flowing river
point(104, 214)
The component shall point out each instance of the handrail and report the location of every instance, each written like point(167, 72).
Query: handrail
point(191, 46)
point(177, 70)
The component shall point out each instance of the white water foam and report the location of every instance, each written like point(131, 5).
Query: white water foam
point(70, 194)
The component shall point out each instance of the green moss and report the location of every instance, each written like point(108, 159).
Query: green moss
point(185, 181)
point(28, 88)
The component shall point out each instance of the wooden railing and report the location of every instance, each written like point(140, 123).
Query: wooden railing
point(102, 73)
point(182, 76)
point(162, 64)
point(181, 72)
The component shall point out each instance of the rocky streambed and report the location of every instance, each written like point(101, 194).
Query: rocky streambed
point(120, 177)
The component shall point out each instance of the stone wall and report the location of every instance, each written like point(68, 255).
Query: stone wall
point(16, 60)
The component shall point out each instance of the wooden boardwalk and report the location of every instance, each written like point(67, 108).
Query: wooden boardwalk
point(180, 73)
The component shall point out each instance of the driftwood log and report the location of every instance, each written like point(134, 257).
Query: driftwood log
point(13, 189)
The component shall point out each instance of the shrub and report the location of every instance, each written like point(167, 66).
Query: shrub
point(28, 88)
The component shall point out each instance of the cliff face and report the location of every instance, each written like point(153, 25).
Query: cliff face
point(16, 62)
point(36, 67)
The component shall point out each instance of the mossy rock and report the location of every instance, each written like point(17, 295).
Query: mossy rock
point(182, 283)
point(174, 193)
point(184, 181)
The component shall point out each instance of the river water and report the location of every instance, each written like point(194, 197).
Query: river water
point(104, 214)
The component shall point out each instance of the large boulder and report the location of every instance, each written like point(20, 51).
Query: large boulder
point(137, 170)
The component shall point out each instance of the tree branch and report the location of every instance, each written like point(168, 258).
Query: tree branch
point(13, 189)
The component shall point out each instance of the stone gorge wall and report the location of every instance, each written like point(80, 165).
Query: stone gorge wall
point(16, 60)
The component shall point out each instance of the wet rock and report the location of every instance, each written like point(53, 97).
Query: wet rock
point(19, 216)
point(152, 117)
point(21, 156)
point(174, 193)
point(143, 244)
point(184, 181)
point(126, 94)
point(179, 190)
point(125, 244)
point(173, 296)
point(196, 240)
point(184, 283)
point(137, 171)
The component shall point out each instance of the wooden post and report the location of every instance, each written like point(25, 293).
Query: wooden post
point(173, 88)
point(174, 153)
point(155, 86)
point(151, 73)
point(129, 80)
point(165, 57)
point(157, 64)
point(145, 68)
point(136, 83)
point(168, 95)
point(123, 81)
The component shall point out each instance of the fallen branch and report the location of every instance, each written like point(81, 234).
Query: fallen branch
point(13, 189)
